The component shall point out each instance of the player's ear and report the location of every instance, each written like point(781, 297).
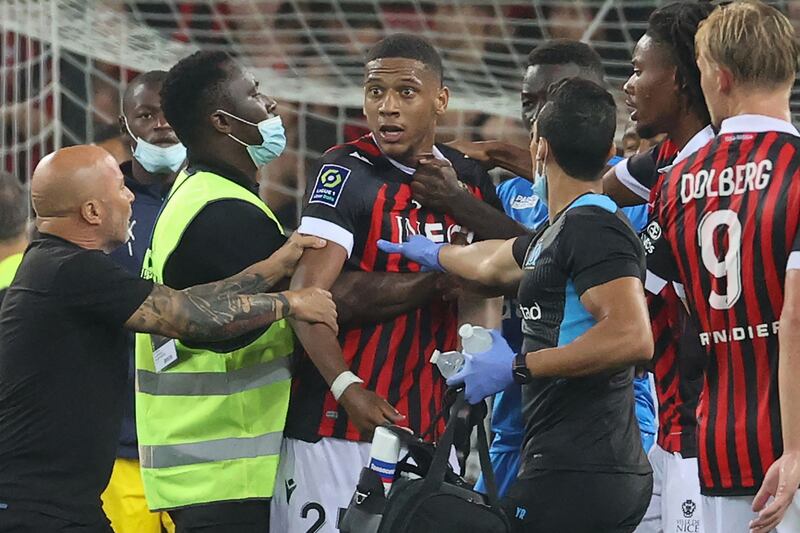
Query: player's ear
point(220, 122)
point(442, 99)
point(91, 212)
point(724, 79)
point(542, 149)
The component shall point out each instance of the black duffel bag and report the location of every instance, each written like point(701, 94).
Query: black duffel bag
point(438, 502)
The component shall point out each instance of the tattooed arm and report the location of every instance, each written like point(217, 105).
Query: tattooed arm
point(265, 274)
point(224, 309)
point(231, 307)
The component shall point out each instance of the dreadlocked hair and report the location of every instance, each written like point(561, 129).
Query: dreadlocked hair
point(674, 26)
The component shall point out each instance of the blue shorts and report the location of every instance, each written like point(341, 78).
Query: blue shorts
point(506, 467)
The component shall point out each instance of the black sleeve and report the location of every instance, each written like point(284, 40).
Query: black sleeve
point(520, 247)
point(226, 237)
point(596, 247)
point(337, 196)
point(91, 284)
point(644, 167)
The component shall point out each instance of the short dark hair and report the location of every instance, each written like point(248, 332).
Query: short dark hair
point(579, 121)
point(13, 206)
point(410, 47)
point(564, 51)
point(192, 90)
point(152, 77)
point(674, 27)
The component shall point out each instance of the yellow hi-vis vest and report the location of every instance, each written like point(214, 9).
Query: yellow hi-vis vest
point(8, 269)
point(209, 425)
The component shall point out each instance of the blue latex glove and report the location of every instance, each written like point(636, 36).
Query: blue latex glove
point(486, 373)
point(418, 249)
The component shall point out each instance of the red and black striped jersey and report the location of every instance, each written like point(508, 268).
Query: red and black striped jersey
point(729, 214)
point(356, 196)
point(639, 173)
point(678, 358)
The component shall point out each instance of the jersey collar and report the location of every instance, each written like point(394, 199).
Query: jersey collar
point(406, 169)
point(700, 139)
point(756, 124)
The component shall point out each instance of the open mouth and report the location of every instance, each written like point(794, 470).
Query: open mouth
point(391, 132)
point(632, 107)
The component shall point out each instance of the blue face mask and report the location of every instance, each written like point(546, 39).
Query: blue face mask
point(540, 188)
point(157, 159)
point(273, 139)
point(540, 181)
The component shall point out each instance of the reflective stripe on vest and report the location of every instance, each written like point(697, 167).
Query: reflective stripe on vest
point(212, 383)
point(213, 450)
point(210, 424)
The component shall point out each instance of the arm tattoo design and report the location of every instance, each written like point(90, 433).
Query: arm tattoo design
point(210, 312)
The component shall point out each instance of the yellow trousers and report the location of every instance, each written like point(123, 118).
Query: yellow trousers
point(124, 503)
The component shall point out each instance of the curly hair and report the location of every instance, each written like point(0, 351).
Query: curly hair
point(192, 90)
point(674, 26)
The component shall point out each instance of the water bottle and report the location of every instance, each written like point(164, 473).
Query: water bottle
point(475, 339)
point(383, 456)
point(448, 362)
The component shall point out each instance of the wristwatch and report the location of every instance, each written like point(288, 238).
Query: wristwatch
point(522, 375)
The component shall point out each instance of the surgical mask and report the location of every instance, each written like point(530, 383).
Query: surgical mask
point(273, 139)
point(157, 159)
point(540, 181)
point(540, 188)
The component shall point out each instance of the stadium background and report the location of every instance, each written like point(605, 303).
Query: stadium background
point(65, 62)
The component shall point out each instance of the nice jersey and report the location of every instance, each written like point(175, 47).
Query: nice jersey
point(678, 359)
point(356, 196)
point(729, 214)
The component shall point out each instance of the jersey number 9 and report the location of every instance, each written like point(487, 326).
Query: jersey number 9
point(730, 267)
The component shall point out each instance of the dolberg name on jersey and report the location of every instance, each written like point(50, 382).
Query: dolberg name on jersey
point(738, 179)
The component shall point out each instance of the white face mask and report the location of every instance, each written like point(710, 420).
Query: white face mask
point(157, 159)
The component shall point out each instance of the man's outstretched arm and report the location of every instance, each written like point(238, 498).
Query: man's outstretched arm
point(233, 306)
point(375, 297)
point(498, 154)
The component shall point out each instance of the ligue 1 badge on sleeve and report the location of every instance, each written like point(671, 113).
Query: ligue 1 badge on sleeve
point(330, 182)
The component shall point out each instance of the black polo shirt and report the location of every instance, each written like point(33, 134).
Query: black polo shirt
point(63, 364)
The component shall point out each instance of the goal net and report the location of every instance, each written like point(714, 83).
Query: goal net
point(66, 61)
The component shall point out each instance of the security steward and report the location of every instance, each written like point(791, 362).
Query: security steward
point(228, 413)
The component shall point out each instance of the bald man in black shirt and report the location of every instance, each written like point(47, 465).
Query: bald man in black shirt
point(63, 360)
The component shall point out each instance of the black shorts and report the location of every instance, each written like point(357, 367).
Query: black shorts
point(578, 502)
point(249, 516)
point(23, 521)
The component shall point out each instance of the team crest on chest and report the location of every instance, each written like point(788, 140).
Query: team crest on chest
point(533, 256)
